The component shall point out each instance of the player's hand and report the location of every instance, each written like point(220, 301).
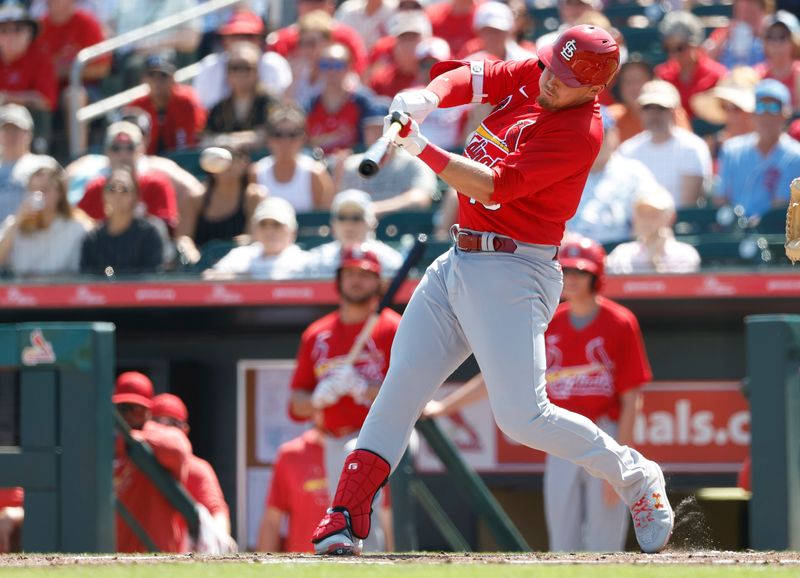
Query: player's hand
point(410, 138)
point(610, 497)
point(418, 104)
point(325, 394)
point(433, 409)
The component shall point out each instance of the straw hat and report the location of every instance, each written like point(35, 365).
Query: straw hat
point(738, 88)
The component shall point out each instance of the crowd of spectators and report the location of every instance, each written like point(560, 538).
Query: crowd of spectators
point(705, 115)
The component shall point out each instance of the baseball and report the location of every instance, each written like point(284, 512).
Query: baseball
point(215, 160)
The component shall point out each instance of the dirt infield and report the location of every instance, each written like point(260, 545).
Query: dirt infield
point(665, 558)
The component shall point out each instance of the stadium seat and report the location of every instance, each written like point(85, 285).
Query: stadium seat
point(314, 223)
point(773, 221)
point(725, 249)
point(393, 226)
point(620, 14)
point(212, 252)
point(433, 249)
point(714, 9)
point(696, 221)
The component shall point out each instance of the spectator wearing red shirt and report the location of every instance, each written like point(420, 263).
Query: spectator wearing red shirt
point(26, 72)
point(124, 148)
point(12, 515)
point(133, 397)
point(689, 68)
point(286, 40)
point(408, 28)
point(176, 116)
point(336, 117)
point(782, 51)
point(201, 482)
point(452, 20)
point(66, 30)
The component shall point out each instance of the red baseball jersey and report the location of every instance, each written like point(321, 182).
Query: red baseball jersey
point(540, 158)
point(63, 41)
point(285, 41)
point(178, 127)
point(203, 485)
point(324, 346)
point(455, 28)
point(300, 488)
point(333, 131)
point(388, 80)
point(588, 368)
point(144, 501)
point(156, 192)
point(12, 497)
point(33, 71)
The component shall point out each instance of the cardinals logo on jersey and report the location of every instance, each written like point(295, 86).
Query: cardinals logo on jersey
point(370, 362)
point(592, 378)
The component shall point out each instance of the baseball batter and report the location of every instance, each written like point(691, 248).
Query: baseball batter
point(495, 292)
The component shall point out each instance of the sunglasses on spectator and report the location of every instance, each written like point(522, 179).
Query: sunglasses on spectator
point(676, 48)
point(330, 64)
point(119, 148)
point(768, 107)
point(350, 218)
point(158, 74)
point(241, 67)
point(13, 27)
point(654, 107)
point(311, 40)
point(777, 37)
point(287, 134)
point(118, 188)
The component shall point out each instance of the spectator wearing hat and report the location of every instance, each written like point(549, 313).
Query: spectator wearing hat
point(17, 162)
point(176, 116)
point(274, 73)
point(26, 72)
point(336, 117)
point(604, 213)
point(201, 480)
point(123, 242)
point(782, 52)
point(494, 26)
point(569, 13)
point(739, 42)
point(403, 183)
point(287, 41)
point(655, 249)
point(353, 224)
point(133, 398)
point(240, 118)
point(679, 159)
point(369, 17)
point(124, 148)
point(756, 169)
point(273, 253)
point(688, 68)
point(452, 20)
point(400, 72)
point(45, 235)
point(315, 31)
point(288, 172)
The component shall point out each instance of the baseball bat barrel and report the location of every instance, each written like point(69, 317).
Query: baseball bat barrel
point(376, 154)
point(413, 257)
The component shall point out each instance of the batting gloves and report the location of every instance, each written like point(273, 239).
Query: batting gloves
point(409, 138)
point(342, 381)
point(416, 103)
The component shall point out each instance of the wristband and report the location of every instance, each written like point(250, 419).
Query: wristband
point(435, 157)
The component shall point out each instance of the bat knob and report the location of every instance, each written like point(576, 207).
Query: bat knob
point(367, 168)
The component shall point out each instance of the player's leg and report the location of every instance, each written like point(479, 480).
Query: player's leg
point(563, 504)
point(504, 314)
point(428, 347)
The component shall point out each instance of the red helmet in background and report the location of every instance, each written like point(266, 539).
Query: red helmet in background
point(584, 254)
point(582, 56)
point(360, 258)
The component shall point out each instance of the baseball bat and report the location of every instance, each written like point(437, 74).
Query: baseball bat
point(413, 257)
point(377, 153)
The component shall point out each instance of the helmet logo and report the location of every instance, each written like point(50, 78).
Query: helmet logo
point(569, 50)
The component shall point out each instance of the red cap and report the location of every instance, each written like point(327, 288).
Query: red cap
point(242, 22)
point(133, 387)
point(168, 405)
point(582, 56)
point(360, 258)
point(583, 254)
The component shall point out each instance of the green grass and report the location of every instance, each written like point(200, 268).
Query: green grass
point(363, 570)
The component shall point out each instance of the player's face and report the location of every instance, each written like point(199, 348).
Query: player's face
point(555, 95)
point(134, 415)
point(577, 284)
point(358, 286)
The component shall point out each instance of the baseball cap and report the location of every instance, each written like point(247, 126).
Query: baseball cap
point(134, 388)
point(354, 199)
point(168, 405)
point(242, 22)
point(160, 63)
point(737, 88)
point(276, 209)
point(433, 47)
point(410, 21)
point(660, 93)
point(17, 115)
point(16, 11)
point(123, 131)
point(656, 196)
point(582, 253)
point(360, 258)
point(771, 88)
point(787, 20)
point(493, 15)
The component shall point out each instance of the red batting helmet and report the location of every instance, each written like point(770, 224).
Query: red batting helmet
point(360, 258)
point(582, 56)
point(583, 254)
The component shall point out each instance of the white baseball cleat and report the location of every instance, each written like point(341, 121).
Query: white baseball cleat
point(341, 544)
point(652, 515)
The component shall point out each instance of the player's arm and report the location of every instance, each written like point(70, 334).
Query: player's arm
point(269, 538)
point(472, 391)
point(630, 404)
point(300, 405)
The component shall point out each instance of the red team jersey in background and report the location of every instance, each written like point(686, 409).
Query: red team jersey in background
point(588, 369)
point(160, 520)
point(11, 497)
point(456, 29)
point(300, 489)
point(179, 126)
point(324, 346)
point(333, 131)
point(33, 71)
point(203, 485)
point(541, 158)
point(155, 191)
point(64, 41)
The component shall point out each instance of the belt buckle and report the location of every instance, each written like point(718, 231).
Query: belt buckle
point(459, 234)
